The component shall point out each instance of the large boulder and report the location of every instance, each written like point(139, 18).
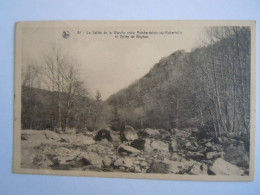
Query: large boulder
point(124, 162)
point(158, 167)
point(51, 135)
point(85, 140)
point(151, 132)
point(106, 161)
point(128, 163)
point(92, 159)
point(138, 144)
point(119, 162)
point(237, 155)
point(128, 150)
point(222, 167)
point(142, 144)
point(103, 134)
point(160, 146)
point(128, 134)
point(137, 169)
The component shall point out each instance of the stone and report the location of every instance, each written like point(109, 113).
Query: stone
point(138, 144)
point(106, 161)
point(64, 156)
point(195, 144)
point(128, 134)
point(188, 144)
point(142, 144)
point(222, 167)
point(174, 145)
point(24, 137)
point(128, 150)
point(158, 167)
point(136, 162)
point(122, 168)
point(64, 139)
point(71, 131)
point(113, 157)
point(237, 155)
point(204, 169)
point(208, 144)
point(41, 161)
point(160, 146)
point(137, 169)
point(69, 138)
point(143, 164)
point(181, 167)
point(175, 167)
point(102, 135)
point(131, 169)
point(147, 145)
point(124, 162)
point(182, 134)
point(211, 155)
point(86, 140)
point(127, 162)
point(119, 162)
point(115, 136)
point(155, 133)
point(175, 157)
point(195, 170)
point(93, 159)
point(51, 135)
point(151, 132)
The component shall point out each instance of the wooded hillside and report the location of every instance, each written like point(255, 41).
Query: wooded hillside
point(208, 87)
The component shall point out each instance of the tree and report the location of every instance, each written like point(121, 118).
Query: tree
point(30, 80)
point(66, 86)
point(223, 72)
point(73, 91)
point(115, 121)
point(54, 65)
point(98, 96)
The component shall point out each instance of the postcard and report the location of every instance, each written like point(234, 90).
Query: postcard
point(169, 100)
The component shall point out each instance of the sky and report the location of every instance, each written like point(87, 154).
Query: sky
point(106, 63)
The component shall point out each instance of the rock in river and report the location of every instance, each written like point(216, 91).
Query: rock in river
point(128, 150)
point(51, 135)
point(103, 134)
point(93, 159)
point(222, 167)
point(158, 167)
point(237, 155)
point(142, 144)
point(128, 134)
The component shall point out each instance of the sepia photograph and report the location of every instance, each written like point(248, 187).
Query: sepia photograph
point(136, 99)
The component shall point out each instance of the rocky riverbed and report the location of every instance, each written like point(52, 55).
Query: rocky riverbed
point(182, 151)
